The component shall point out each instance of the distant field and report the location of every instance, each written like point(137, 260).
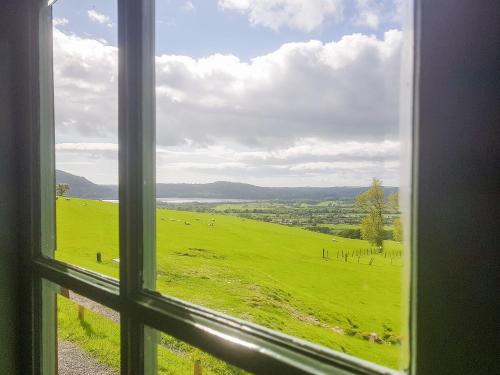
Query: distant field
point(270, 274)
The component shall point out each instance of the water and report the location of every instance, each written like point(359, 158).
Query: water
point(193, 200)
point(202, 200)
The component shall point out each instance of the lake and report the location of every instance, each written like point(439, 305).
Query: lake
point(193, 200)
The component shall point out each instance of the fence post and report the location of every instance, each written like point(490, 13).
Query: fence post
point(197, 367)
point(81, 312)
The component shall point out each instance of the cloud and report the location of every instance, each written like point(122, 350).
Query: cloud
point(85, 88)
point(60, 21)
point(342, 90)
point(99, 17)
point(372, 13)
point(307, 162)
point(304, 15)
point(187, 7)
point(307, 113)
point(90, 147)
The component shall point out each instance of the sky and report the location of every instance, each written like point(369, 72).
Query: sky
point(268, 92)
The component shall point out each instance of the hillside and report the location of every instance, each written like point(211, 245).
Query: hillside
point(83, 188)
point(271, 274)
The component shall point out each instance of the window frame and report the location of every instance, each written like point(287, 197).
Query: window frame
point(240, 343)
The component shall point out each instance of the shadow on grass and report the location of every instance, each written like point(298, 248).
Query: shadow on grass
point(87, 328)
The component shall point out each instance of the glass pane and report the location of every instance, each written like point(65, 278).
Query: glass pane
point(88, 336)
point(85, 58)
point(175, 357)
point(279, 167)
point(79, 336)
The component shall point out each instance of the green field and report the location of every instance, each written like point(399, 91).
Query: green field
point(270, 274)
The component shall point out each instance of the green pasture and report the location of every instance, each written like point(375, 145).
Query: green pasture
point(270, 274)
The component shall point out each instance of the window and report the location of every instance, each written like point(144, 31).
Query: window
point(86, 134)
point(87, 336)
point(258, 115)
point(192, 317)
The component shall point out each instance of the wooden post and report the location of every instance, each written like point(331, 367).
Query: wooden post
point(197, 367)
point(98, 257)
point(81, 312)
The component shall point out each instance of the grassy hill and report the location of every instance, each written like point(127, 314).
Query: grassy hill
point(266, 273)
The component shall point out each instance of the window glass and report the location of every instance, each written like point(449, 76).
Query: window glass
point(85, 66)
point(278, 167)
point(79, 336)
point(88, 336)
point(177, 357)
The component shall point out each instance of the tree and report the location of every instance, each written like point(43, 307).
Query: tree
point(372, 202)
point(397, 232)
point(62, 189)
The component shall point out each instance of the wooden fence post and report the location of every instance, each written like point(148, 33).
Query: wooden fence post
point(197, 367)
point(65, 292)
point(81, 312)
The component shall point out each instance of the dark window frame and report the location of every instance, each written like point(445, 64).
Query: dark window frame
point(240, 343)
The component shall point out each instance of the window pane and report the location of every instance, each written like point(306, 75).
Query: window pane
point(175, 357)
point(79, 336)
point(85, 58)
point(88, 336)
point(279, 167)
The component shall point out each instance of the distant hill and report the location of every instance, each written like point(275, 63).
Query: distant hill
point(83, 188)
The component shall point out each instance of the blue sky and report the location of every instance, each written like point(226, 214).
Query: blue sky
point(199, 27)
point(270, 92)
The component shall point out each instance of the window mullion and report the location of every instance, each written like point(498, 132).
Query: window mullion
point(137, 177)
point(44, 298)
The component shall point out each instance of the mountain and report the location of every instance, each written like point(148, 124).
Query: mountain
point(83, 188)
point(236, 190)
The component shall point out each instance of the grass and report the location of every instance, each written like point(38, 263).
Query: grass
point(100, 337)
point(270, 274)
point(97, 335)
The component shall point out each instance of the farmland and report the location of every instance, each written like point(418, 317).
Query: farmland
point(333, 291)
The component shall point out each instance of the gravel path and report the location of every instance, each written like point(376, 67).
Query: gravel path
point(95, 307)
point(74, 361)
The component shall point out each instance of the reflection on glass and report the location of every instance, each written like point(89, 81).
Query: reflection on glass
point(85, 62)
point(278, 166)
point(177, 357)
point(88, 336)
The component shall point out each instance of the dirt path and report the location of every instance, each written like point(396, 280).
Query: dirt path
point(95, 307)
point(74, 361)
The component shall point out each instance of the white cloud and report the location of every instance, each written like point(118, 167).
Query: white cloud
point(305, 15)
point(372, 13)
point(85, 88)
point(91, 147)
point(99, 17)
point(60, 21)
point(188, 7)
point(306, 114)
point(306, 162)
point(341, 90)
